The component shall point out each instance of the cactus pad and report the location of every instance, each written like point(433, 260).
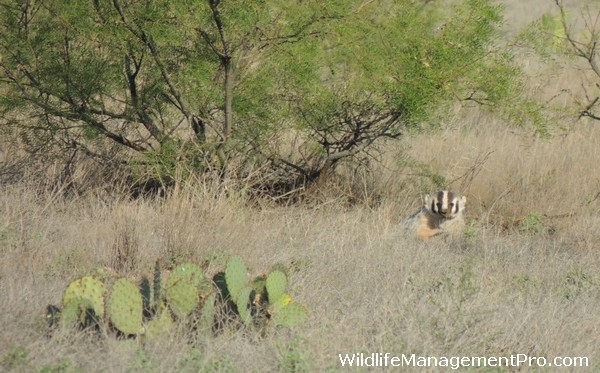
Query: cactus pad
point(236, 276)
point(88, 291)
point(276, 284)
point(207, 315)
point(242, 301)
point(70, 315)
point(282, 302)
point(290, 315)
point(189, 272)
point(156, 285)
point(159, 325)
point(125, 307)
point(182, 296)
point(286, 312)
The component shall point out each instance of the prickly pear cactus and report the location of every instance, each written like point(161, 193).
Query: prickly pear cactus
point(207, 315)
point(84, 294)
point(290, 315)
point(243, 303)
point(157, 285)
point(189, 272)
point(276, 284)
point(159, 325)
point(182, 297)
point(286, 312)
point(71, 314)
point(236, 276)
point(185, 287)
point(125, 307)
point(147, 299)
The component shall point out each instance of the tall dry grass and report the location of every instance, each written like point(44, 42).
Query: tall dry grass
point(368, 289)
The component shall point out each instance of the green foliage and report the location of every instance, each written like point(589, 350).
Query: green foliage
point(207, 314)
point(288, 313)
point(66, 366)
point(14, 358)
point(243, 301)
point(198, 86)
point(472, 229)
point(578, 282)
point(295, 356)
point(182, 297)
point(545, 35)
point(533, 224)
point(159, 325)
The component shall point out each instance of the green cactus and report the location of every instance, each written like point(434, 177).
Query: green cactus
point(189, 272)
point(151, 310)
point(157, 284)
point(147, 299)
point(185, 287)
point(243, 302)
point(236, 276)
point(182, 296)
point(84, 299)
point(125, 307)
point(276, 284)
point(290, 315)
point(286, 312)
point(160, 325)
point(207, 315)
point(71, 314)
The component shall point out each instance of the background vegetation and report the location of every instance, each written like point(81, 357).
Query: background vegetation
point(396, 98)
point(231, 90)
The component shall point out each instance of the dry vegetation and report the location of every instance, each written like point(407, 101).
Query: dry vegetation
point(515, 286)
point(524, 280)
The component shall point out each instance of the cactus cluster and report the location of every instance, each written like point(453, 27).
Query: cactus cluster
point(262, 301)
point(145, 309)
point(151, 308)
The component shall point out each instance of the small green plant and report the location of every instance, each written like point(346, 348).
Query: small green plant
point(14, 358)
point(66, 366)
point(533, 224)
point(472, 229)
point(578, 282)
point(294, 356)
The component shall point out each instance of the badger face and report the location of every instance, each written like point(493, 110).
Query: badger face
point(445, 204)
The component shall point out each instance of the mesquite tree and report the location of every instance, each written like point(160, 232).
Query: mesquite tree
point(228, 85)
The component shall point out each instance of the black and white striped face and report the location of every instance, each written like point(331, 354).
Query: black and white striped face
point(446, 204)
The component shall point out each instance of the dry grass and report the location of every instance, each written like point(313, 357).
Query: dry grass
point(525, 281)
point(368, 290)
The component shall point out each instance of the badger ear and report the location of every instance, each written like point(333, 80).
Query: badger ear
point(463, 201)
point(426, 200)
